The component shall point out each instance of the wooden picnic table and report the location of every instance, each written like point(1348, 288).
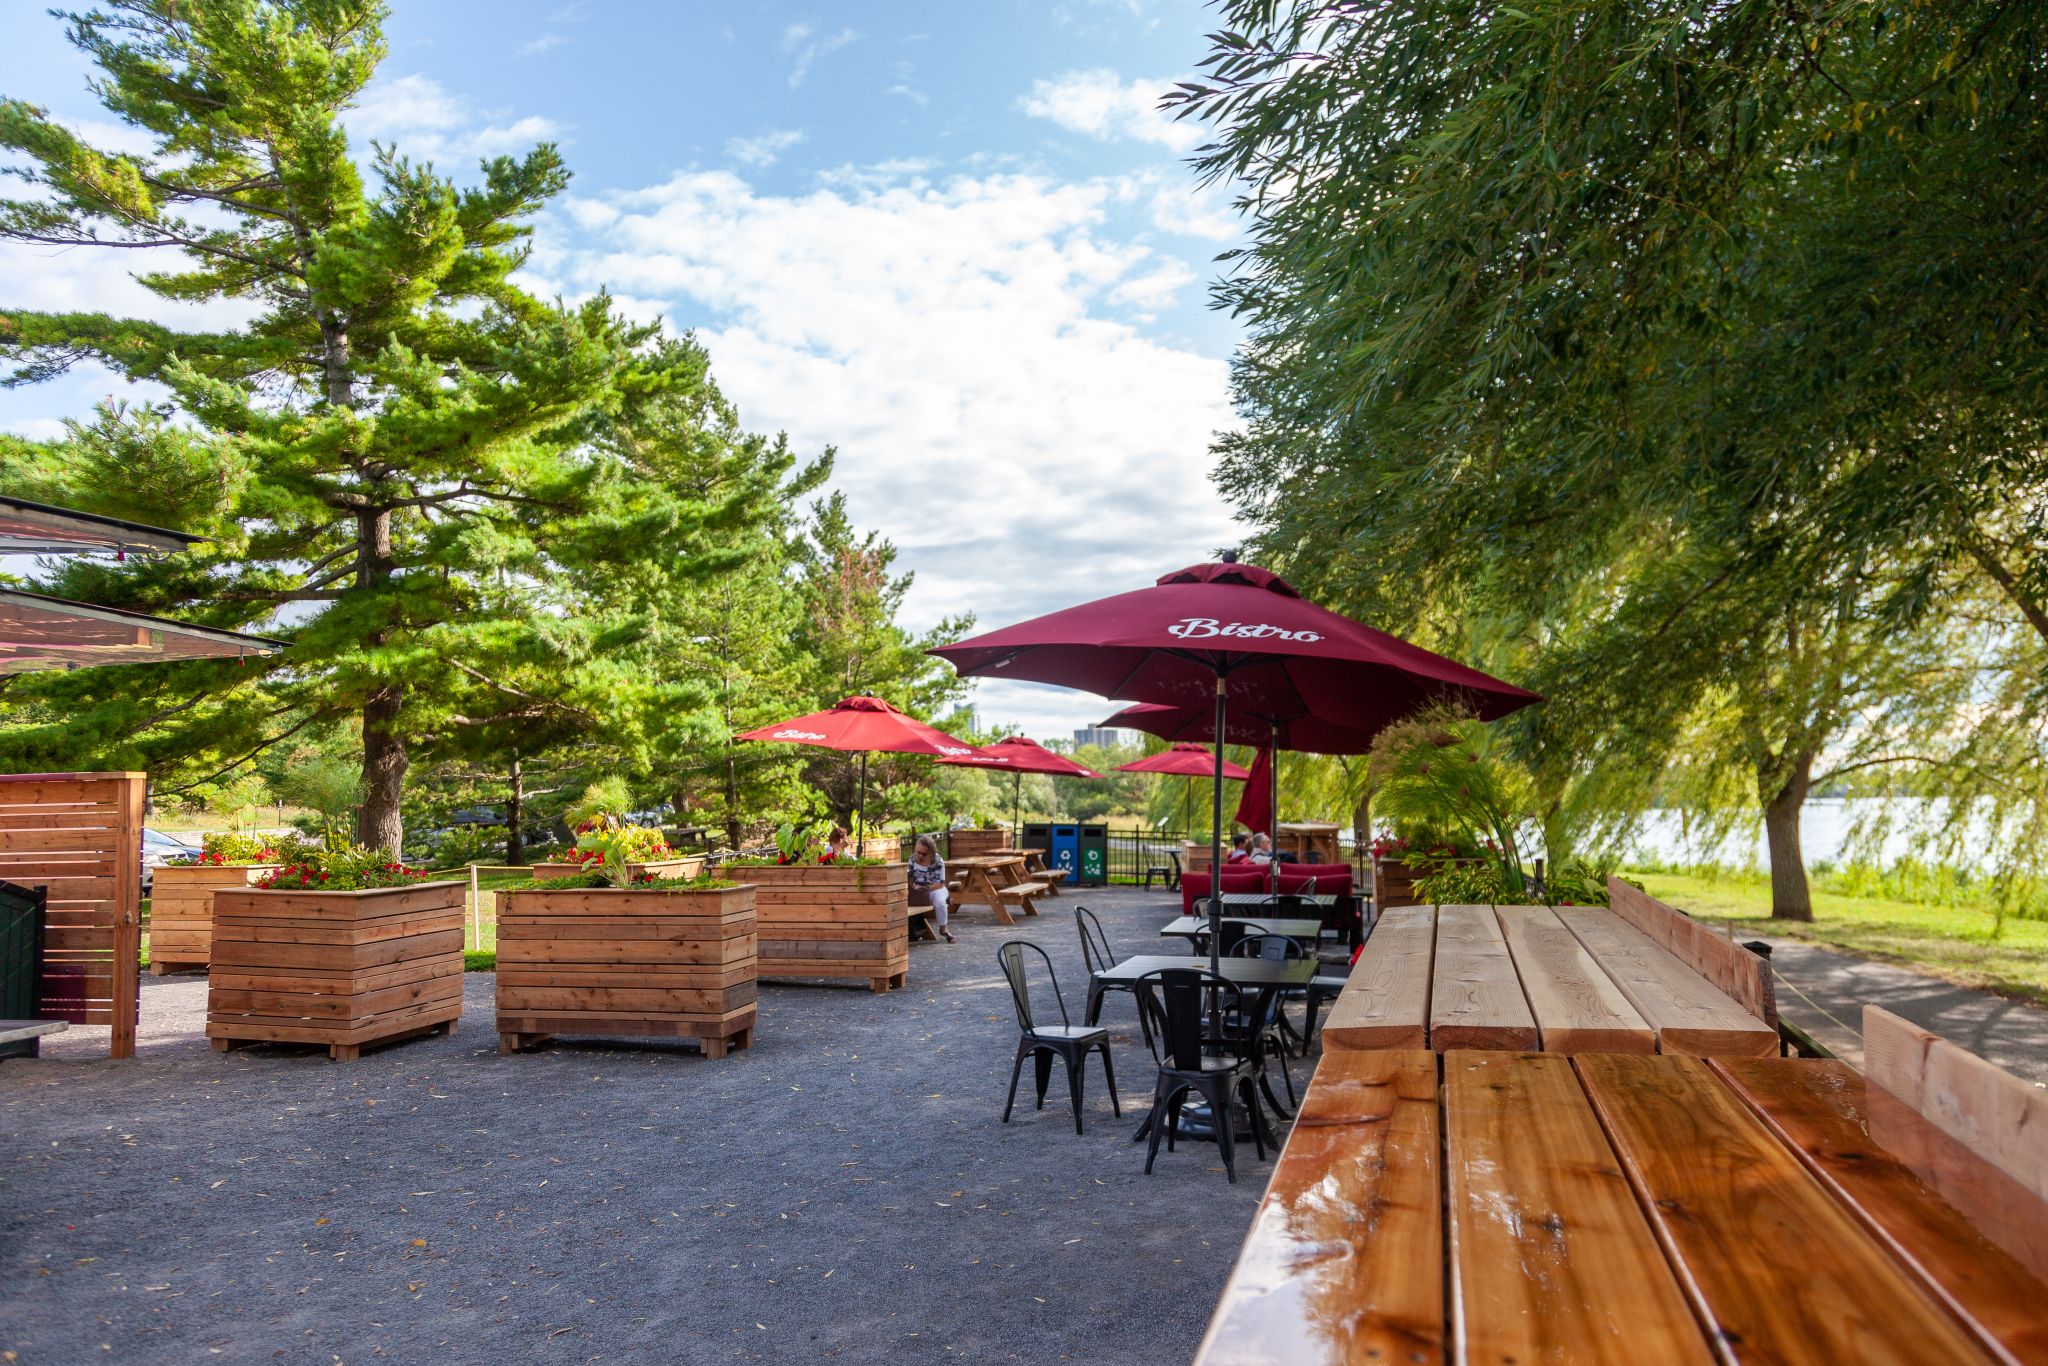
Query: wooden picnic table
point(1565, 979)
point(997, 881)
point(1197, 926)
point(1531, 1207)
point(1035, 867)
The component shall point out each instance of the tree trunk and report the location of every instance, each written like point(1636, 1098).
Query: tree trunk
point(379, 826)
point(515, 816)
point(384, 763)
point(1791, 899)
point(732, 799)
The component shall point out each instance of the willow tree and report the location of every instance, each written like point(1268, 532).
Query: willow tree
point(408, 422)
point(1538, 295)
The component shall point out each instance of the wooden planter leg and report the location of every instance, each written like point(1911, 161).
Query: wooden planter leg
point(713, 1047)
point(157, 969)
point(222, 1045)
point(744, 1039)
point(344, 1052)
point(878, 984)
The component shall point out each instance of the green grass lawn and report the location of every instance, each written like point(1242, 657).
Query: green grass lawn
point(1961, 945)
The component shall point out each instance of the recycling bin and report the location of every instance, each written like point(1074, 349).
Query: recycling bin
point(1093, 841)
point(1062, 850)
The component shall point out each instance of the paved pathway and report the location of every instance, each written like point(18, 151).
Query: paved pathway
point(842, 1190)
point(1824, 992)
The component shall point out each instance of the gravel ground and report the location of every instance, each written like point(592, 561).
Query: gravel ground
point(844, 1189)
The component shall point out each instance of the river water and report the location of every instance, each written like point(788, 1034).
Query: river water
point(1827, 827)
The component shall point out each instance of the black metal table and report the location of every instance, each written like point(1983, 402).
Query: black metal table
point(1264, 975)
point(1195, 926)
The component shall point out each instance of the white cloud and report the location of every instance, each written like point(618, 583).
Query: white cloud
point(803, 39)
point(37, 428)
point(961, 341)
point(1102, 105)
point(542, 44)
point(427, 123)
point(763, 148)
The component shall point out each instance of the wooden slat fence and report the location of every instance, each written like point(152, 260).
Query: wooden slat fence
point(79, 835)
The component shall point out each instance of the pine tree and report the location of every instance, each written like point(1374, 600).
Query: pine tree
point(411, 423)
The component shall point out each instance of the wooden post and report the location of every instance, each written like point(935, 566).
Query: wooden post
point(476, 928)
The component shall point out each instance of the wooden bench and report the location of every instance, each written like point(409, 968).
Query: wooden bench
point(1584, 979)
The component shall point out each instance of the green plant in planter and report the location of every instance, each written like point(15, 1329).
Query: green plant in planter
point(1436, 775)
point(342, 868)
point(249, 847)
point(619, 847)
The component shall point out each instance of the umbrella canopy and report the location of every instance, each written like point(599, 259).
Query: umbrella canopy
point(864, 725)
point(28, 528)
point(1026, 755)
point(1302, 734)
point(38, 632)
point(1187, 761)
point(1256, 805)
point(1233, 635)
point(1283, 657)
point(1021, 755)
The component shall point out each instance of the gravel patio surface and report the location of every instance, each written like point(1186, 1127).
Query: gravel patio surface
point(844, 1189)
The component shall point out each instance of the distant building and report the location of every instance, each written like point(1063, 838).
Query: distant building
point(1100, 736)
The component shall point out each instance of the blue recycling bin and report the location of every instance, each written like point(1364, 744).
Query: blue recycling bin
point(1063, 852)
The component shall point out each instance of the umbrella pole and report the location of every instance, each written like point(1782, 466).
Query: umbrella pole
point(1273, 770)
point(1016, 806)
point(1216, 846)
point(860, 808)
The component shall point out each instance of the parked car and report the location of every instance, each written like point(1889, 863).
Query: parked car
point(159, 849)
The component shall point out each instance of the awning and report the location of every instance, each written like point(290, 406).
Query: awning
point(28, 528)
point(38, 633)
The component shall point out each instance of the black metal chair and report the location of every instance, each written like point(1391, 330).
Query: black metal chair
point(1169, 876)
point(1231, 933)
point(1275, 1029)
point(1098, 957)
point(1321, 990)
point(1068, 1042)
point(1176, 1002)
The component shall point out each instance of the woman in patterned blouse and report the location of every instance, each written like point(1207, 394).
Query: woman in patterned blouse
point(928, 882)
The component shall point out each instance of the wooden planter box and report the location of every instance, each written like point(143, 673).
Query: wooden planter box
point(608, 960)
point(181, 911)
point(340, 969)
point(821, 921)
point(1393, 882)
point(686, 867)
point(975, 843)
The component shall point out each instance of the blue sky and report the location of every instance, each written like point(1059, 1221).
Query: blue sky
point(957, 241)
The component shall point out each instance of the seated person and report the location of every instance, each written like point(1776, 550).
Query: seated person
point(1262, 849)
point(1238, 852)
point(835, 845)
point(928, 883)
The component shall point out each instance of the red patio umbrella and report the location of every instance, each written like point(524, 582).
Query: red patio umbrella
point(1021, 755)
point(1187, 761)
point(1258, 806)
point(863, 725)
point(1302, 735)
point(1232, 635)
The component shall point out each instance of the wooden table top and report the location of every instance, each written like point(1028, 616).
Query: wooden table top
point(1569, 979)
point(1191, 926)
point(1246, 972)
point(1530, 1207)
